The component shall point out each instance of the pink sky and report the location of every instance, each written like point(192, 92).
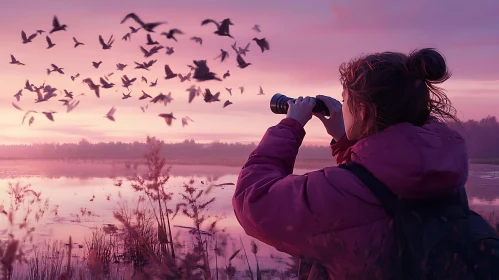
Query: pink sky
point(308, 42)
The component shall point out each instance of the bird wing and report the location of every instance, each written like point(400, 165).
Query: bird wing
point(240, 60)
point(134, 17)
point(247, 46)
point(23, 36)
point(102, 81)
point(168, 71)
point(101, 40)
point(111, 112)
point(110, 41)
point(55, 22)
point(17, 106)
point(32, 36)
point(13, 59)
point(176, 31)
point(76, 41)
point(206, 21)
point(48, 40)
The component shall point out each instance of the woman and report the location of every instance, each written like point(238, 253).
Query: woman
point(391, 122)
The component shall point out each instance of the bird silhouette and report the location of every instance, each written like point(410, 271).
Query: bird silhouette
point(222, 28)
point(193, 92)
point(149, 27)
point(202, 72)
point(56, 26)
point(17, 106)
point(105, 84)
point(144, 79)
point(144, 108)
point(185, 78)
point(227, 103)
point(18, 95)
point(77, 43)
point(108, 45)
point(96, 64)
point(227, 74)
point(127, 37)
point(150, 41)
point(169, 50)
point(257, 28)
point(56, 69)
point(153, 50)
point(168, 118)
point(110, 114)
point(185, 121)
point(75, 76)
point(169, 73)
point(261, 91)
point(223, 55)
point(49, 115)
point(27, 39)
point(68, 94)
point(209, 97)
point(120, 66)
point(229, 90)
point(128, 95)
point(127, 82)
point(241, 63)
point(171, 34)
point(49, 42)
point(262, 43)
point(242, 89)
point(13, 60)
point(153, 84)
point(197, 40)
point(92, 86)
point(133, 29)
point(39, 31)
point(144, 96)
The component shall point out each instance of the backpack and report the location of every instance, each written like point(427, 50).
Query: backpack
point(436, 238)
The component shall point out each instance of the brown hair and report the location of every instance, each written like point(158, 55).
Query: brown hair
point(397, 88)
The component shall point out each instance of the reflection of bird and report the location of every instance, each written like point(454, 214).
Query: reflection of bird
point(13, 60)
point(168, 118)
point(49, 42)
point(223, 55)
point(262, 43)
point(241, 63)
point(27, 39)
point(171, 34)
point(197, 40)
point(110, 114)
point(56, 26)
point(146, 26)
point(108, 45)
point(261, 91)
point(185, 121)
point(96, 64)
point(227, 103)
point(77, 43)
point(256, 28)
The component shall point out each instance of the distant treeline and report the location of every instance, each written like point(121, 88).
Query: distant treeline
point(482, 138)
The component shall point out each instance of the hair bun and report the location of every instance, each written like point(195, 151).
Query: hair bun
point(428, 64)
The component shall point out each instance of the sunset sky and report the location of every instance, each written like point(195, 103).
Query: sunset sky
point(308, 41)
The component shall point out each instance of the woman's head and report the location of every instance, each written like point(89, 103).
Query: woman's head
point(383, 89)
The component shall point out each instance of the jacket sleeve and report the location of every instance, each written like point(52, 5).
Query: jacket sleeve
point(273, 205)
point(342, 149)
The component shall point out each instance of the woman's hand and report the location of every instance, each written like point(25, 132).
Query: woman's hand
point(334, 124)
point(301, 109)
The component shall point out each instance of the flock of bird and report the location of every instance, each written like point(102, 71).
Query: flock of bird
point(199, 70)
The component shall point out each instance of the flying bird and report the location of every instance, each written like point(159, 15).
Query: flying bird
point(57, 26)
point(227, 103)
point(146, 26)
point(127, 37)
point(223, 55)
point(17, 106)
point(26, 115)
point(222, 28)
point(96, 64)
point(75, 76)
point(105, 84)
point(49, 115)
point(185, 78)
point(77, 43)
point(55, 68)
point(108, 45)
point(261, 91)
point(153, 50)
point(49, 42)
point(127, 82)
point(209, 97)
point(171, 34)
point(39, 31)
point(27, 39)
point(134, 30)
point(193, 92)
point(144, 96)
point(241, 63)
point(185, 121)
point(153, 84)
point(18, 95)
point(202, 72)
point(242, 89)
point(169, 73)
point(262, 43)
point(229, 90)
point(68, 94)
point(227, 74)
point(150, 41)
point(144, 79)
point(144, 108)
point(256, 28)
point(197, 40)
point(128, 95)
point(92, 86)
point(240, 50)
point(13, 60)
point(121, 66)
point(169, 50)
point(168, 118)
point(110, 114)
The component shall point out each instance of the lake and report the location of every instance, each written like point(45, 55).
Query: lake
point(74, 186)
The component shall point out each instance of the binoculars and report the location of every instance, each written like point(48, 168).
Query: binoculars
point(279, 105)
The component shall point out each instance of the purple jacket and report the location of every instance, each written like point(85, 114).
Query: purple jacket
point(328, 215)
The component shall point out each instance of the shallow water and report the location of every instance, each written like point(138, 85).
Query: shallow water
point(72, 186)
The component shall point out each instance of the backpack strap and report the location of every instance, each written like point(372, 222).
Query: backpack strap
point(387, 198)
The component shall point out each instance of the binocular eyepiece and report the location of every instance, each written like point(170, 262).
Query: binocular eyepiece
point(279, 105)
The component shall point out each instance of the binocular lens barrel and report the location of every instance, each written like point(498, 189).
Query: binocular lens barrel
point(279, 105)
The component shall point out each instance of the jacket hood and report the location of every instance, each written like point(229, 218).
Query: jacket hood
point(416, 161)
